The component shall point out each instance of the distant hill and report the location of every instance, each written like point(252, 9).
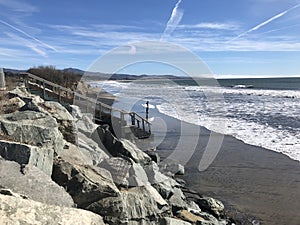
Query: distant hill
point(13, 71)
point(74, 70)
point(102, 76)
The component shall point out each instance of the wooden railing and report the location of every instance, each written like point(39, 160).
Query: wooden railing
point(99, 109)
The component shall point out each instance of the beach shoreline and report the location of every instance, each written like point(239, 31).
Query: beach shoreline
point(262, 184)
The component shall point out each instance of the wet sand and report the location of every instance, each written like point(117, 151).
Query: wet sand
point(255, 181)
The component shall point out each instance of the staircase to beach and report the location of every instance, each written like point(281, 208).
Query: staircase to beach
point(125, 124)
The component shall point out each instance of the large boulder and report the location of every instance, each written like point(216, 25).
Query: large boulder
point(177, 201)
point(64, 119)
point(16, 210)
point(154, 175)
point(84, 121)
point(33, 183)
point(34, 128)
point(119, 169)
point(35, 103)
point(162, 183)
point(86, 184)
point(137, 176)
point(26, 154)
point(91, 149)
point(135, 204)
point(86, 125)
point(74, 155)
point(31, 101)
point(120, 147)
point(125, 173)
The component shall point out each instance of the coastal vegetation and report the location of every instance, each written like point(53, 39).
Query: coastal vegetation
point(66, 78)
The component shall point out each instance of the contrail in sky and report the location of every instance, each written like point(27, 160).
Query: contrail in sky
point(28, 35)
point(174, 20)
point(265, 22)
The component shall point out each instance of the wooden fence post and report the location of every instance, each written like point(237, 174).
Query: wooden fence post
point(132, 119)
point(59, 96)
point(44, 90)
point(143, 123)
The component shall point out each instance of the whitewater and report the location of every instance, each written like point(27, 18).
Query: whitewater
point(262, 117)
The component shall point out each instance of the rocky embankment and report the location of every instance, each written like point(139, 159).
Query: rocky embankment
point(58, 168)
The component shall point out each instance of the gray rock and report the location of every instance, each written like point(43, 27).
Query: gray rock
point(84, 121)
point(73, 154)
point(193, 207)
point(120, 147)
point(76, 111)
point(153, 155)
point(132, 151)
point(86, 125)
point(31, 101)
point(119, 169)
point(154, 175)
point(210, 219)
point(190, 217)
point(65, 120)
point(111, 208)
point(180, 181)
point(91, 149)
point(211, 205)
point(137, 176)
point(33, 183)
point(169, 165)
point(135, 204)
point(166, 187)
point(20, 92)
point(173, 221)
point(177, 201)
point(24, 154)
point(86, 184)
point(150, 197)
point(130, 174)
point(32, 128)
point(15, 210)
point(12, 104)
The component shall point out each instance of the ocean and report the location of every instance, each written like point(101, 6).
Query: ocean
point(263, 112)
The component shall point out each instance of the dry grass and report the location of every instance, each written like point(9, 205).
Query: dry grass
point(11, 82)
point(6, 106)
point(3, 100)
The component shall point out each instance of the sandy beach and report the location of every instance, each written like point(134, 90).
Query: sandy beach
point(259, 183)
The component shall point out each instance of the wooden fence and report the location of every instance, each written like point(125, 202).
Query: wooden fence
point(121, 120)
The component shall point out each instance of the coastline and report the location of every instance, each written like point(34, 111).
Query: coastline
point(261, 183)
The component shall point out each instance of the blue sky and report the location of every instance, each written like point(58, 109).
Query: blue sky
point(233, 37)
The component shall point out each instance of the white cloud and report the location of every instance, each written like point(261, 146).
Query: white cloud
point(19, 6)
point(213, 26)
point(174, 20)
point(88, 39)
point(265, 22)
point(22, 42)
point(28, 35)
